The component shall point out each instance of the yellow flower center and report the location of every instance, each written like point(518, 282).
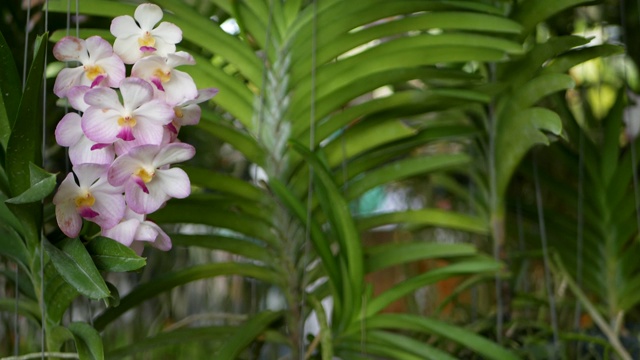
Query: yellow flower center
point(146, 40)
point(85, 200)
point(144, 175)
point(178, 111)
point(163, 76)
point(129, 121)
point(92, 71)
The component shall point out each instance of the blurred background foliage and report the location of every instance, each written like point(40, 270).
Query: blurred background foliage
point(369, 184)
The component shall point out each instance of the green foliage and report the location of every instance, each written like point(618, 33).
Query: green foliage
point(331, 99)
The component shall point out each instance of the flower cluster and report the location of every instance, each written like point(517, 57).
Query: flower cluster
point(123, 144)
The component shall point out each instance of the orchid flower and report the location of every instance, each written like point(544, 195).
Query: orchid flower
point(177, 85)
point(137, 38)
point(92, 198)
point(134, 230)
point(141, 116)
point(99, 64)
point(148, 183)
point(69, 133)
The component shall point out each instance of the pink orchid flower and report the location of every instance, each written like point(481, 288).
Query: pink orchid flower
point(140, 117)
point(137, 38)
point(176, 85)
point(92, 198)
point(148, 182)
point(134, 231)
point(69, 133)
point(99, 64)
point(187, 112)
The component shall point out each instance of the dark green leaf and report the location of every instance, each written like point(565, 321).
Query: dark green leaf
point(88, 341)
point(110, 255)
point(42, 184)
point(10, 86)
point(75, 265)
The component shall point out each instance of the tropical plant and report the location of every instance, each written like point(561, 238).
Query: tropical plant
point(327, 100)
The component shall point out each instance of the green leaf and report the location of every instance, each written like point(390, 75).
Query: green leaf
point(42, 184)
point(88, 341)
point(178, 278)
point(465, 267)
point(247, 333)
point(110, 255)
point(12, 246)
point(383, 256)
point(238, 245)
point(25, 143)
point(11, 90)
point(488, 349)
point(426, 217)
point(403, 169)
point(75, 265)
point(223, 183)
point(58, 293)
point(410, 345)
point(531, 12)
point(516, 135)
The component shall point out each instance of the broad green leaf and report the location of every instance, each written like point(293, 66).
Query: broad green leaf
point(488, 349)
point(464, 267)
point(223, 183)
point(110, 255)
point(566, 61)
point(531, 12)
point(10, 86)
point(178, 278)
point(191, 211)
point(42, 184)
point(535, 90)
point(402, 169)
point(238, 245)
point(383, 256)
point(88, 341)
point(410, 345)
point(243, 142)
point(364, 350)
point(246, 334)
point(426, 217)
point(12, 246)
point(359, 139)
point(25, 145)
point(516, 135)
point(58, 293)
point(75, 265)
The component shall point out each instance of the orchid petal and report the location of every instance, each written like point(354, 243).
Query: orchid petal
point(87, 174)
point(122, 169)
point(147, 15)
point(114, 68)
point(69, 48)
point(111, 208)
point(124, 232)
point(83, 152)
point(98, 48)
point(76, 97)
point(123, 27)
point(67, 190)
point(68, 219)
point(101, 126)
point(190, 115)
point(173, 153)
point(67, 79)
point(135, 92)
point(174, 182)
point(181, 87)
point(141, 202)
point(127, 49)
point(68, 131)
point(104, 98)
point(169, 33)
point(180, 58)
